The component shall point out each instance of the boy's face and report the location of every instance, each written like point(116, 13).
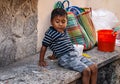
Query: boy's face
point(59, 23)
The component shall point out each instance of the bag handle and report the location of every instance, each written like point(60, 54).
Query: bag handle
point(58, 4)
point(68, 3)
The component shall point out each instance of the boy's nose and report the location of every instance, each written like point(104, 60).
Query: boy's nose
point(60, 23)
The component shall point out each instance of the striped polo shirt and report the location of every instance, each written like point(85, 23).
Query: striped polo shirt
point(58, 42)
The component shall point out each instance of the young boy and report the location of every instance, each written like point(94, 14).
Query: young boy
point(59, 42)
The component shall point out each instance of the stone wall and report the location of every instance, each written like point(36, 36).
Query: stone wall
point(110, 74)
point(18, 29)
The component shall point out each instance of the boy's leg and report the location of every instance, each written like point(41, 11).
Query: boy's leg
point(93, 68)
point(86, 76)
point(74, 63)
point(94, 71)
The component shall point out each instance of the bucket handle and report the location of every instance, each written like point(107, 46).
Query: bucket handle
point(114, 33)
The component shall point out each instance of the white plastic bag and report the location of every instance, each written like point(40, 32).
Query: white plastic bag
point(104, 19)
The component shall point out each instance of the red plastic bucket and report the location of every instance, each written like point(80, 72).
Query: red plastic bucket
point(106, 40)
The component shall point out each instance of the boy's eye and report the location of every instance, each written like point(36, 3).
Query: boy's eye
point(63, 21)
point(57, 21)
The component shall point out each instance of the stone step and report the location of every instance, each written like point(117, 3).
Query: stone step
point(27, 71)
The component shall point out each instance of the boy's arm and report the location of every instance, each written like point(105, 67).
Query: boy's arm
point(41, 58)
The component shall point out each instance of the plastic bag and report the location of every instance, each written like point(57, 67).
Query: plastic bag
point(104, 19)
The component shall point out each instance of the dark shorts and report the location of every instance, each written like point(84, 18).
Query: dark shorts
point(73, 61)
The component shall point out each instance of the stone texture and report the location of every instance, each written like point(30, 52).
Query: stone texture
point(27, 71)
point(18, 29)
point(110, 73)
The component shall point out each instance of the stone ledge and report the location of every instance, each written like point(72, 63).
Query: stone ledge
point(27, 71)
point(103, 58)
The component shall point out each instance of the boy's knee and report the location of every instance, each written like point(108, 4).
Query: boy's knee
point(94, 68)
point(87, 72)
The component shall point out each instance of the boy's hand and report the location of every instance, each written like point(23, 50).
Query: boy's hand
point(52, 57)
point(42, 63)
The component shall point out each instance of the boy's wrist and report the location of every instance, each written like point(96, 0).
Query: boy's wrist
point(41, 60)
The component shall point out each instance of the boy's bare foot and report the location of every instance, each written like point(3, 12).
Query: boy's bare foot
point(52, 57)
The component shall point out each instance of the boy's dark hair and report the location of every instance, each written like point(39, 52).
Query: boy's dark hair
point(58, 12)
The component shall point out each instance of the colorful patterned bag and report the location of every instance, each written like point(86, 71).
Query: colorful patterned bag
point(85, 21)
point(74, 30)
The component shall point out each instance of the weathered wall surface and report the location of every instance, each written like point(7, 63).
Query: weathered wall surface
point(18, 29)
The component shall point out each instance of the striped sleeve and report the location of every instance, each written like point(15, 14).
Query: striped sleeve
point(47, 40)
